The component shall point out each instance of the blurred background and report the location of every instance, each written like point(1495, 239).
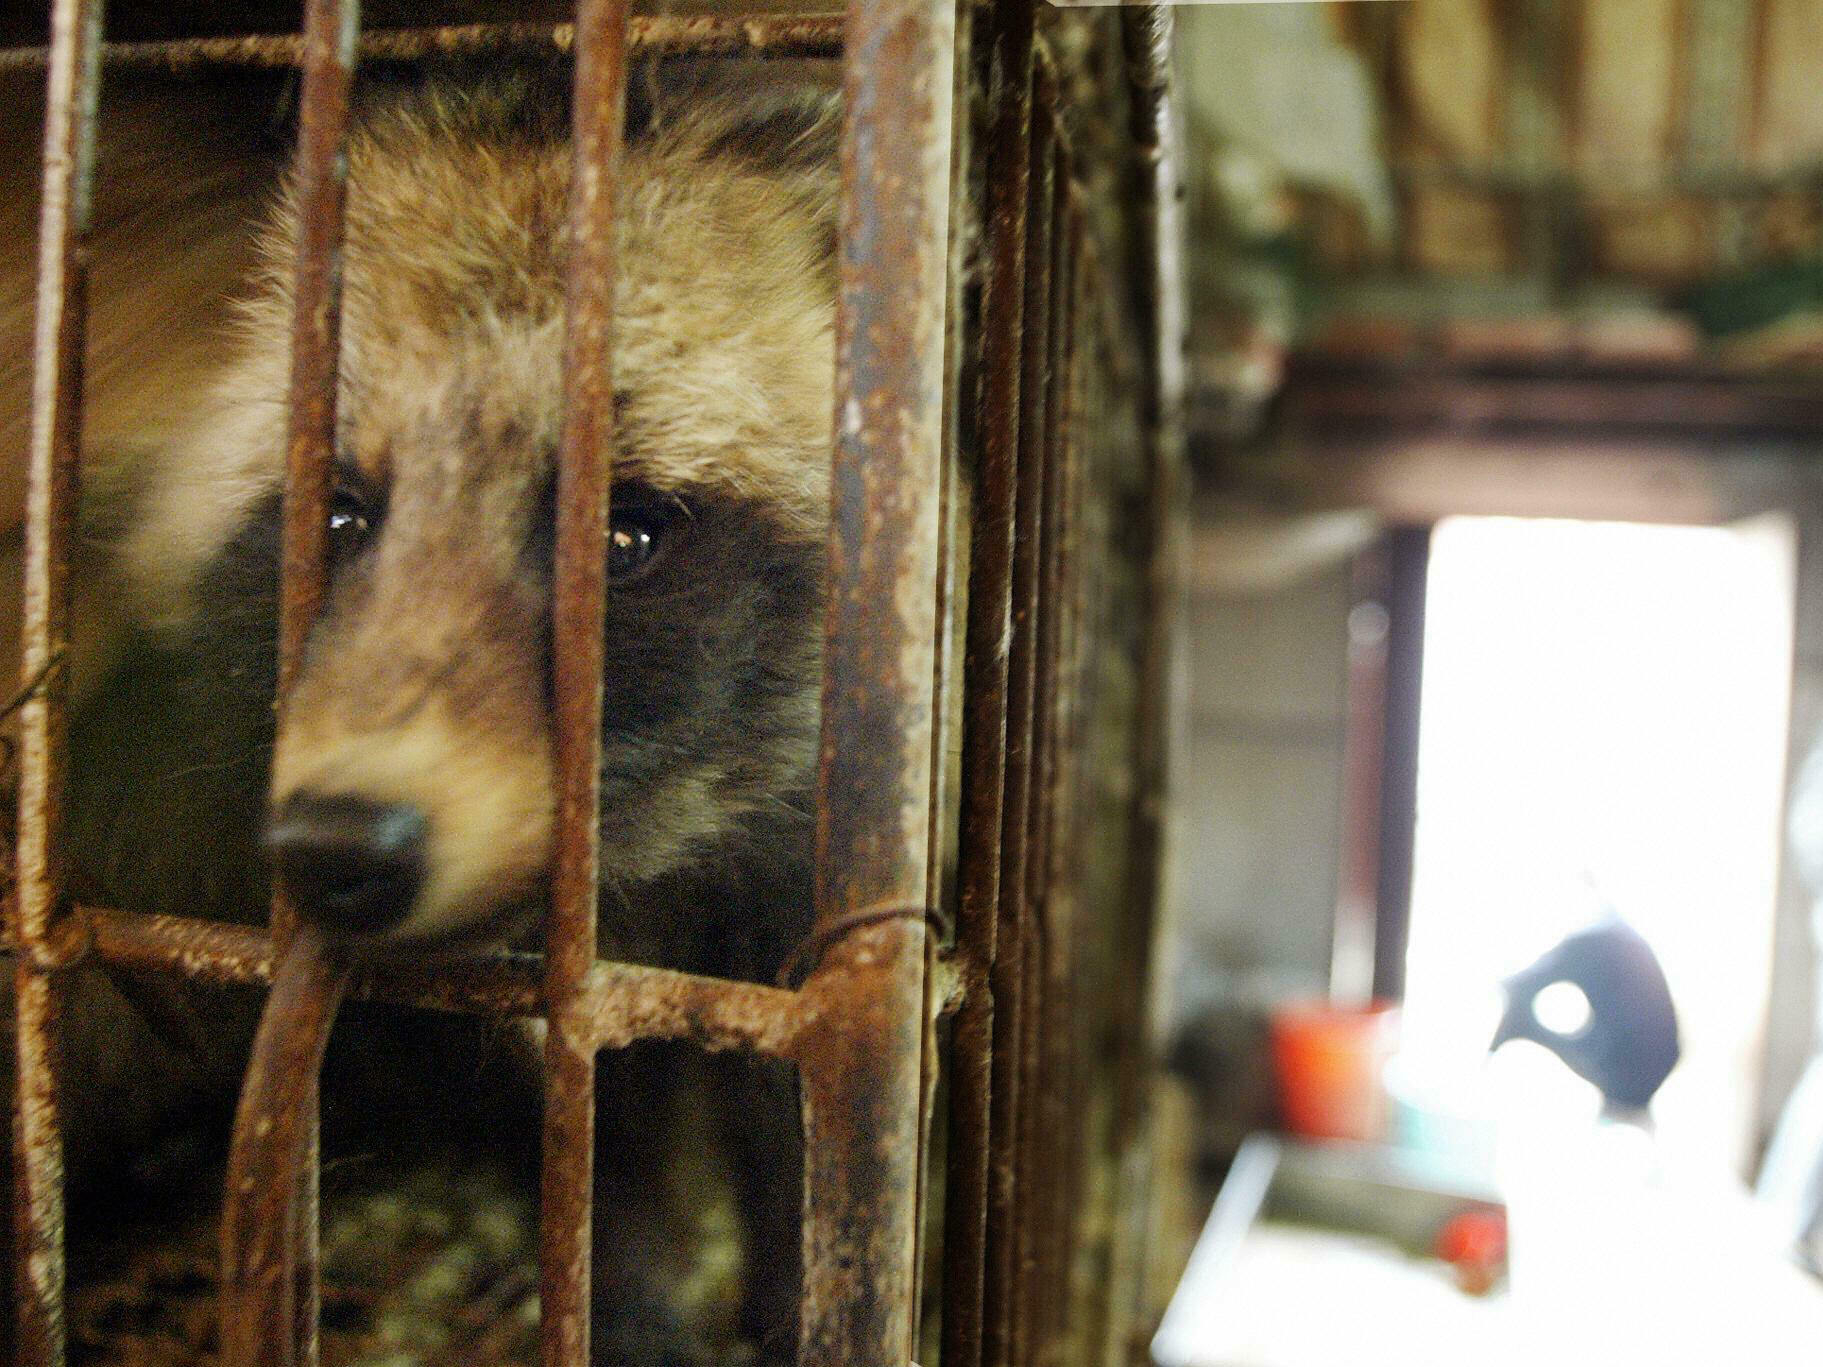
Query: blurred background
point(1505, 633)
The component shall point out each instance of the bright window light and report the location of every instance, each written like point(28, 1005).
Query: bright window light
point(1604, 725)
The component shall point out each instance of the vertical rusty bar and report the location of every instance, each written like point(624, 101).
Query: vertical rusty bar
point(1084, 331)
point(577, 650)
point(69, 148)
point(1008, 173)
point(1038, 1007)
point(1052, 1296)
point(1040, 808)
point(1007, 976)
point(331, 29)
point(307, 1273)
point(859, 1056)
point(38, 1256)
point(990, 585)
point(1148, 35)
point(1055, 531)
point(1052, 1289)
point(949, 689)
point(263, 1302)
point(55, 452)
point(1026, 1140)
point(966, 1194)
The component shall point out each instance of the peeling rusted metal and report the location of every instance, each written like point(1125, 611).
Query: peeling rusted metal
point(991, 558)
point(74, 86)
point(625, 1003)
point(859, 1055)
point(208, 951)
point(989, 637)
point(803, 960)
point(577, 606)
point(489, 985)
point(1008, 975)
point(36, 905)
point(38, 1266)
point(809, 35)
point(320, 174)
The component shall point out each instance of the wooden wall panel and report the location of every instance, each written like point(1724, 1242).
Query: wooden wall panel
point(1789, 115)
point(1627, 69)
point(1450, 231)
point(1663, 238)
point(1449, 75)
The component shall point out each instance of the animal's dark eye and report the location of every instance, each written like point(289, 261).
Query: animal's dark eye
point(351, 523)
point(637, 536)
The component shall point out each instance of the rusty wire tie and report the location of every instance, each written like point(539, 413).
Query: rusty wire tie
point(9, 748)
point(803, 960)
point(70, 937)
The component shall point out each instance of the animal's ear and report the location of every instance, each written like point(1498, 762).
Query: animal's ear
point(780, 117)
point(791, 131)
point(782, 120)
point(644, 75)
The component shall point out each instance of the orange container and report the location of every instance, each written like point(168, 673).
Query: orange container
point(1328, 1060)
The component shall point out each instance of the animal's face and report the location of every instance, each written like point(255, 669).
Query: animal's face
point(412, 783)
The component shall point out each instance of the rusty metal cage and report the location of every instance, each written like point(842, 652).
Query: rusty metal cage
point(1006, 288)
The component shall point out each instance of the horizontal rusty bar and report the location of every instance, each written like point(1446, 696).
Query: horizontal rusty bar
point(621, 1002)
point(808, 35)
point(487, 985)
point(624, 1003)
point(205, 951)
point(211, 952)
point(63, 944)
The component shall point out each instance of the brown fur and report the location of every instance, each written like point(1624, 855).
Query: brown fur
point(180, 169)
point(452, 406)
point(427, 679)
point(453, 311)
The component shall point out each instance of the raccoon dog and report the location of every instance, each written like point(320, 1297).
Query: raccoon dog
point(406, 798)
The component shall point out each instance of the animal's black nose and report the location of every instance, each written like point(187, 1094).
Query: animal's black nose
point(348, 864)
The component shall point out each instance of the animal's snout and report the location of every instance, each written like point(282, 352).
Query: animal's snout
point(351, 865)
